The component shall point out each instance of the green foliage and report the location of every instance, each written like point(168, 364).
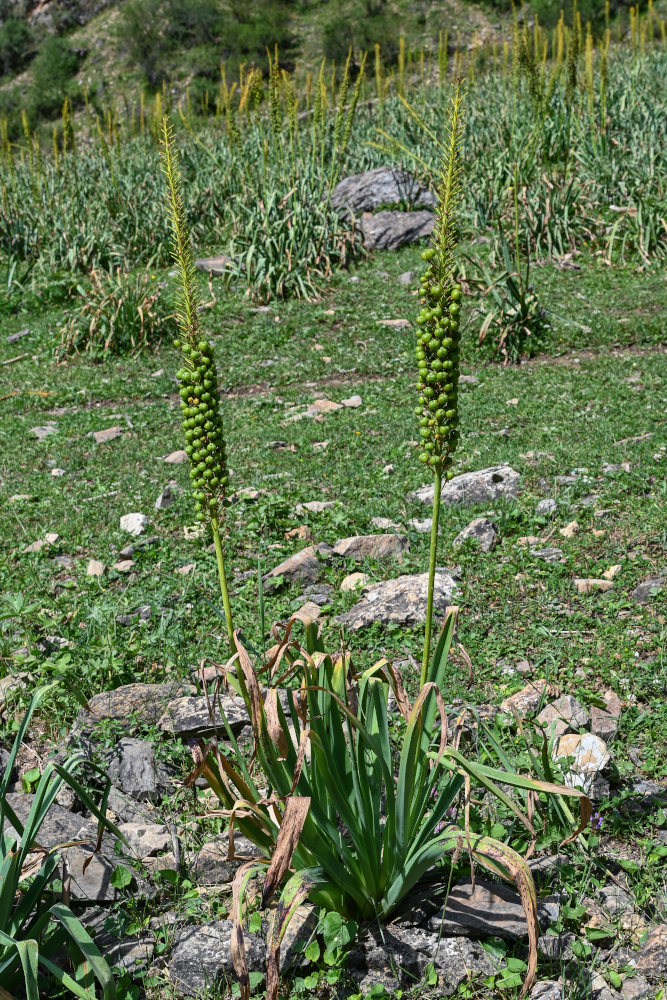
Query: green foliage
point(359, 29)
point(35, 929)
point(52, 72)
point(16, 43)
point(118, 313)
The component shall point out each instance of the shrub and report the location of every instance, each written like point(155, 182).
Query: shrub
point(52, 72)
point(119, 313)
point(16, 43)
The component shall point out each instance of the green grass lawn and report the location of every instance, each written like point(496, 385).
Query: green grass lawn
point(597, 395)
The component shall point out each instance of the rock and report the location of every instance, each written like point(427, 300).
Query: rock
point(308, 612)
point(189, 717)
point(651, 961)
point(134, 524)
point(146, 840)
point(367, 191)
point(128, 704)
point(395, 324)
point(131, 953)
point(423, 526)
point(556, 946)
point(614, 900)
point(563, 714)
point(319, 593)
point(43, 432)
point(552, 555)
point(353, 402)
point(603, 724)
point(612, 572)
point(482, 531)
point(168, 495)
point(66, 562)
point(216, 266)
point(50, 538)
point(132, 768)
point(548, 989)
point(391, 230)
point(590, 756)
point(109, 434)
point(95, 568)
point(212, 866)
point(176, 457)
point(57, 473)
point(141, 614)
point(401, 601)
point(565, 480)
point(386, 524)
point(546, 508)
point(611, 468)
point(201, 956)
point(406, 279)
point(491, 908)
point(60, 825)
point(569, 530)
point(129, 551)
point(470, 488)
point(185, 570)
point(635, 988)
point(371, 546)
point(301, 928)
point(304, 567)
point(590, 586)
point(650, 588)
point(314, 506)
point(524, 702)
point(123, 566)
point(354, 581)
point(387, 469)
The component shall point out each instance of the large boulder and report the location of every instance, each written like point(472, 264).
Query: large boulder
point(373, 189)
point(391, 230)
point(494, 483)
point(401, 601)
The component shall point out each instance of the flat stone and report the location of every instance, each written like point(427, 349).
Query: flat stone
point(482, 531)
point(423, 525)
point(57, 473)
point(211, 864)
point(95, 568)
point(470, 488)
point(565, 480)
point(651, 961)
point(391, 230)
point(386, 524)
point(185, 570)
point(201, 956)
point(43, 432)
point(50, 538)
point(146, 840)
point(569, 530)
point(395, 324)
point(649, 589)
point(354, 581)
point(109, 434)
point(612, 572)
point(556, 947)
point(406, 279)
point(387, 185)
point(189, 717)
point(549, 554)
point(524, 702)
point(490, 909)
point(131, 953)
point(308, 612)
point(562, 715)
point(371, 546)
point(176, 457)
point(123, 566)
point(145, 702)
point(352, 402)
point(546, 508)
point(603, 724)
point(590, 755)
point(319, 593)
point(13, 338)
point(60, 825)
point(168, 496)
point(614, 900)
point(314, 506)
point(548, 989)
point(134, 524)
point(636, 988)
point(216, 266)
point(591, 586)
point(304, 567)
point(401, 601)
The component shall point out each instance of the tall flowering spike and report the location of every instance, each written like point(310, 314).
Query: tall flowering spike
point(198, 378)
point(437, 348)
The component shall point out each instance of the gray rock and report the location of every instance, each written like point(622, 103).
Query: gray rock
point(565, 480)
point(144, 702)
point(319, 593)
point(407, 279)
point(649, 589)
point(131, 953)
point(189, 717)
point(211, 866)
point(216, 266)
point(13, 338)
point(201, 956)
point(140, 614)
point(548, 989)
point(60, 825)
point(548, 554)
point(43, 432)
point(603, 724)
point(546, 508)
point(146, 840)
point(524, 702)
point(562, 715)
point(391, 230)
point(108, 434)
point(304, 566)
point(134, 523)
point(132, 768)
point(402, 601)
point(388, 185)
point(168, 495)
point(143, 543)
point(614, 899)
point(635, 988)
point(556, 946)
point(371, 546)
point(651, 961)
point(494, 483)
point(482, 531)
point(423, 526)
point(491, 908)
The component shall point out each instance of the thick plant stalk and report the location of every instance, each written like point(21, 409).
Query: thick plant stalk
point(198, 378)
point(437, 348)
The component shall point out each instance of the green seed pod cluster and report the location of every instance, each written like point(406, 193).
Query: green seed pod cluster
point(437, 354)
point(438, 322)
point(202, 426)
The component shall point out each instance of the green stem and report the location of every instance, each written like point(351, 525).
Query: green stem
point(437, 490)
point(220, 556)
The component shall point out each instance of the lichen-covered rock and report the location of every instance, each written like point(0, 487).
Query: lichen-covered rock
point(469, 488)
point(401, 601)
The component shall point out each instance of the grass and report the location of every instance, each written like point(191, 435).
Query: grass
point(578, 405)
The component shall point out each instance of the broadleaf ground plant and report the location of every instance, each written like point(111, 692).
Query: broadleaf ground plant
point(358, 817)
